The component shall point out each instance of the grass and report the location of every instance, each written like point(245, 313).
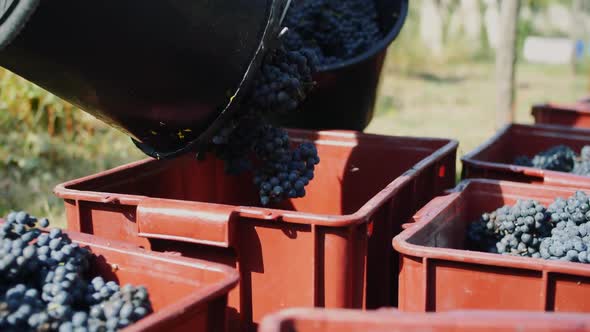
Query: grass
point(87, 154)
point(458, 100)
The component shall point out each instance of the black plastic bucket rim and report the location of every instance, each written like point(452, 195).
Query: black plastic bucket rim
point(345, 97)
point(378, 47)
point(14, 15)
point(268, 41)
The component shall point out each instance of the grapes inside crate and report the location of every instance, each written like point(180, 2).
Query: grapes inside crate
point(52, 280)
point(457, 255)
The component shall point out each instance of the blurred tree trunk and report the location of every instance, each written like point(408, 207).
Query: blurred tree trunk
point(577, 29)
point(492, 20)
point(506, 61)
point(431, 26)
point(472, 22)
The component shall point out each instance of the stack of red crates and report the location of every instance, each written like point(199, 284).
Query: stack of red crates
point(332, 249)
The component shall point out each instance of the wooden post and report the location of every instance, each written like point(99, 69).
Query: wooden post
point(506, 61)
point(577, 30)
point(431, 26)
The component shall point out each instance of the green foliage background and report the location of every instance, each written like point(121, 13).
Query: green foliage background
point(45, 141)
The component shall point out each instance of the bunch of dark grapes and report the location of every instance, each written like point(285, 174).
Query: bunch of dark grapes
point(582, 166)
point(560, 232)
point(558, 158)
point(571, 222)
point(523, 161)
point(483, 234)
point(285, 172)
point(43, 285)
point(514, 230)
point(284, 80)
point(568, 242)
point(282, 171)
point(113, 306)
point(576, 208)
point(233, 145)
point(319, 32)
point(336, 30)
point(522, 229)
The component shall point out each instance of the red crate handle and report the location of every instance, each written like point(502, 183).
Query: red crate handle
point(185, 221)
point(531, 172)
point(432, 208)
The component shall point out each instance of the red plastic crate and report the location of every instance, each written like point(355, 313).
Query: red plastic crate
point(186, 294)
point(438, 274)
point(329, 249)
point(571, 115)
point(334, 320)
point(494, 159)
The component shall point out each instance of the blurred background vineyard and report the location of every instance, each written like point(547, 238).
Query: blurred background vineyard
point(438, 81)
point(45, 141)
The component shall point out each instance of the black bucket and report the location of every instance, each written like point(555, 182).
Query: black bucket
point(344, 97)
point(165, 72)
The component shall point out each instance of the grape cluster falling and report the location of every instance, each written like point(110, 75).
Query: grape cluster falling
point(319, 32)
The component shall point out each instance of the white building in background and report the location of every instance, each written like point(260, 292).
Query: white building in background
point(431, 23)
point(492, 22)
point(548, 50)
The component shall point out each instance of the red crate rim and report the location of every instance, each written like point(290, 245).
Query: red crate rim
point(457, 318)
point(194, 299)
point(548, 176)
point(429, 213)
point(578, 107)
point(358, 217)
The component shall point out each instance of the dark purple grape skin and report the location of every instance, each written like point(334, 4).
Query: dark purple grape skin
point(558, 232)
point(319, 32)
point(559, 158)
point(43, 285)
point(333, 30)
